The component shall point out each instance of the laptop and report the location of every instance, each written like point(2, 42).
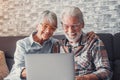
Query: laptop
point(50, 66)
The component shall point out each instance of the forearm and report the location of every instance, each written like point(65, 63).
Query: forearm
point(87, 77)
point(14, 74)
point(101, 62)
point(103, 74)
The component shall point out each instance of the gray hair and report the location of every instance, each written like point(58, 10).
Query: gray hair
point(49, 16)
point(72, 11)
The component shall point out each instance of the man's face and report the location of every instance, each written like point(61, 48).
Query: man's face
point(45, 30)
point(72, 28)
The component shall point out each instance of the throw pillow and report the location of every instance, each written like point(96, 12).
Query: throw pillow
point(3, 66)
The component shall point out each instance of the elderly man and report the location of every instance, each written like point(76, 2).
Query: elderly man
point(91, 60)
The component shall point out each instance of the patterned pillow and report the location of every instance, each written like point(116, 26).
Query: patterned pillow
point(3, 66)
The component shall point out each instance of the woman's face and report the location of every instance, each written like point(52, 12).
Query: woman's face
point(45, 30)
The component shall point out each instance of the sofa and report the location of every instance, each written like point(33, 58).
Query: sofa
point(112, 44)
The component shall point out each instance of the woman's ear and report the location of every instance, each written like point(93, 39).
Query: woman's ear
point(37, 27)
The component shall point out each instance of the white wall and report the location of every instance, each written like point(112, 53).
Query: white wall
point(18, 16)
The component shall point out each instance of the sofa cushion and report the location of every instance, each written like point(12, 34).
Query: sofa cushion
point(117, 66)
point(8, 45)
point(3, 66)
point(117, 46)
point(10, 63)
point(116, 73)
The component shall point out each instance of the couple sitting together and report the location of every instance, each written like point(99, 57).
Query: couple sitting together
point(91, 60)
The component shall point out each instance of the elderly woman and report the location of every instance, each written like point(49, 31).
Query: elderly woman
point(38, 42)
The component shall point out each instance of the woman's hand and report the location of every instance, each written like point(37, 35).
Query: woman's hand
point(23, 74)
point(91, 35)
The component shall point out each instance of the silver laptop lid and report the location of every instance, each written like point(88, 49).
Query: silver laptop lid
point(50, 66)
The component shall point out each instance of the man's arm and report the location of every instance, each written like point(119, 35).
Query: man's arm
point(101, 61)
point(87, 77)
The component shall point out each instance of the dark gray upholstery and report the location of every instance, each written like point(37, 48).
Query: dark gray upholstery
point(112, 44)
point(116, 56)
point(117, 46)
point(8, 45)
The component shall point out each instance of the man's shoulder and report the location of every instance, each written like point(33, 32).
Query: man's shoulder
point(95, 39)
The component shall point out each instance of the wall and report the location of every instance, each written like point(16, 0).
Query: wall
point(18, 16)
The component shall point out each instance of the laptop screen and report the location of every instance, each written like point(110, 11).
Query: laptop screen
point(50, 66)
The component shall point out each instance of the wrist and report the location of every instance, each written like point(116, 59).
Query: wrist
point(90, 77)
point(22, 76)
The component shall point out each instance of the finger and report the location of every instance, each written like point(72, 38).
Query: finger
point(92, 36)
point(89, 34)
point(76, 78)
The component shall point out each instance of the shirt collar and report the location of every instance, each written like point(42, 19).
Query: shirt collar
point(32, 40)
point(83, 40)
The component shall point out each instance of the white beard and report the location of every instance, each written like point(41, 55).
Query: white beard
point(74, 40)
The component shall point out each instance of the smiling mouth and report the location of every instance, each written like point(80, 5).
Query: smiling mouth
point(46, 35)
point(73, 34)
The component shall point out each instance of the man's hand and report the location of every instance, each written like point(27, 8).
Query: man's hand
point(80, 77)
point(23, 74)
point(86, 77)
